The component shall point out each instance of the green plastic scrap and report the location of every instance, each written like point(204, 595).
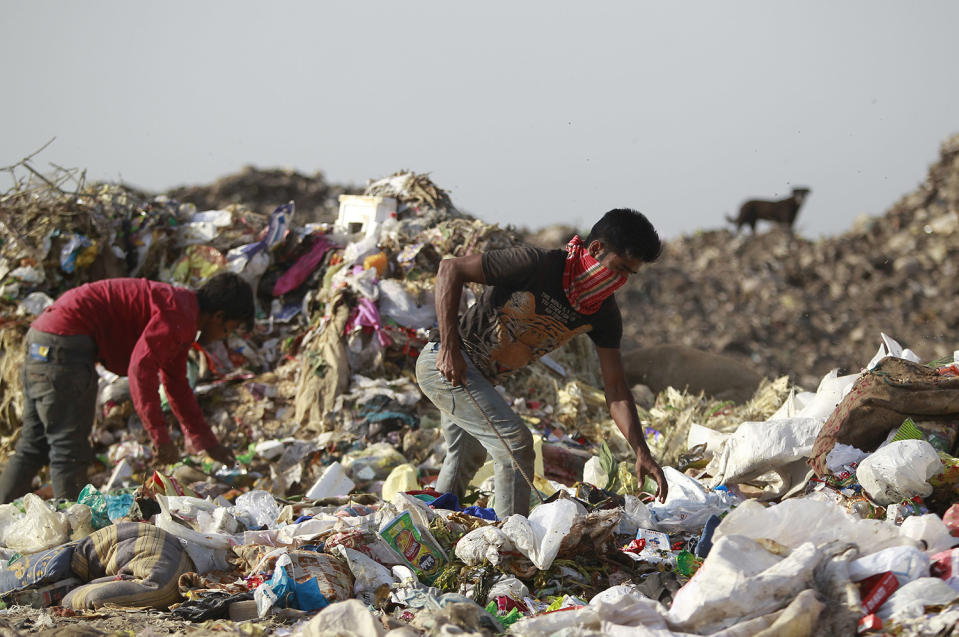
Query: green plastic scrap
point(247, 458)
point(908, 431)
point(506, 620)
point(92, 497)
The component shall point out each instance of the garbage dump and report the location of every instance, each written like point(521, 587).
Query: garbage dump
point(827, 508)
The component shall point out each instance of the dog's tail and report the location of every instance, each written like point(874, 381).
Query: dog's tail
point(731, 220)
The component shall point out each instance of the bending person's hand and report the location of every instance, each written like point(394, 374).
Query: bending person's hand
point(166, 453)
point(646, 466)
point(222, 453)
point(451, 365)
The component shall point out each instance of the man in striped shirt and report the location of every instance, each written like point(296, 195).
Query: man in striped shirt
point(534, 302)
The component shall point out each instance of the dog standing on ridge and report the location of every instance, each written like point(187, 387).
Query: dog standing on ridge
point(782, 211)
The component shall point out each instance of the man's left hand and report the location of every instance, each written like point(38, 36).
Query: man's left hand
point(646, 466)
point(222, 453)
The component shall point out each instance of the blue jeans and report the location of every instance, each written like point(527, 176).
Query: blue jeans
point(464, 411)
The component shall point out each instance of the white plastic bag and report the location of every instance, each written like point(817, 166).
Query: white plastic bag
point(899, 471)
point(368, 574)
point(929, 529)
point(625, 606)
point(636, 515)
point(508, 585)
point(740, 580)
point(540, 536)
point(397, 304)
point(688, 504)
point(350, 617)
point(911, 600)
point(484, 543)
point(39, 529)
point(907, 563)
point(594, 474)
point(256, 509)
point(789, 523)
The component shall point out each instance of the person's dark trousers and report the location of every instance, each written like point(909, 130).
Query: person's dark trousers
point(59, 405)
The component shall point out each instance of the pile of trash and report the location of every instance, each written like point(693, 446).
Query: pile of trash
point(827, 512)
point(789, 305)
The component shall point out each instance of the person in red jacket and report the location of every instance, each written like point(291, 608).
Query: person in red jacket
point(136, 328)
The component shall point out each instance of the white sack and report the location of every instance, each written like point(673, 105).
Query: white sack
point(899, 471)
point(741, 580)
point(791, 523)
point(758, 448)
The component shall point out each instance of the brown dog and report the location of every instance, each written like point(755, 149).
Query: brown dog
point(783, 211)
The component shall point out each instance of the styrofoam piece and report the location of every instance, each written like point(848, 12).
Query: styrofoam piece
point(332, 482)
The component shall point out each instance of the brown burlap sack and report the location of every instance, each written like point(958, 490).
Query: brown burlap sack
point(879, 401)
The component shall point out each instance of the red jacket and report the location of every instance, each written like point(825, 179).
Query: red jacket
point(143, 330)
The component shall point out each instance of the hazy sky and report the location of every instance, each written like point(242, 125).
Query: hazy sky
point(529, 113)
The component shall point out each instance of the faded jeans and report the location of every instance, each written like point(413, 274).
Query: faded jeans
point(469, 436)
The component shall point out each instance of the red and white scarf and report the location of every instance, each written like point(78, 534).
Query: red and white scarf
point(586, 281)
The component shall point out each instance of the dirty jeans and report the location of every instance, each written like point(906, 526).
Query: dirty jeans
point(469, 436)
point(59, 405)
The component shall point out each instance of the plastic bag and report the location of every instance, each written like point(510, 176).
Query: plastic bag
point(396, 303)
point(91, 497)
point(207, 550)
point(911, 600)
point(623, 605)
point(540, 536)
point(907, 563)
point(369, 575)
point(39, 529)
point(256, 509)
point(899, 471)
point(688, 504)
point(278, 591)
point(760, 448)
point(402, 478)
point(930, 530)
point(741, 579)
point(484, 543)
point(508, 585)
point(80, 518)
point(350, 617)
point(788, 523)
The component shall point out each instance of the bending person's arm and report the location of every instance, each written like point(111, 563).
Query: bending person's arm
point(450, 278)
point(184, 404)
point(622, 408)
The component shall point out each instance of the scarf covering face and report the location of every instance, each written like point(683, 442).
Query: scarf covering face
point(586, 281)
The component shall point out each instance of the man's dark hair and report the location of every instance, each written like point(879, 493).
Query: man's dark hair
point(227, 291)
point(628, 233)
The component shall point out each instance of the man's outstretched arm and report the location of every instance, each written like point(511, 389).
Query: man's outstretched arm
point(623, 410)
point(450, 278)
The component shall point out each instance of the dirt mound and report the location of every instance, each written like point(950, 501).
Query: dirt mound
point(799, 307)
point(261, 190)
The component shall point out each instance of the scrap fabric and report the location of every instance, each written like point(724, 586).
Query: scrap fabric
point(128, 564)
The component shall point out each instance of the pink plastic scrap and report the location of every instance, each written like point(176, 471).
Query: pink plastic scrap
point(303, 267)
point(366, 315)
